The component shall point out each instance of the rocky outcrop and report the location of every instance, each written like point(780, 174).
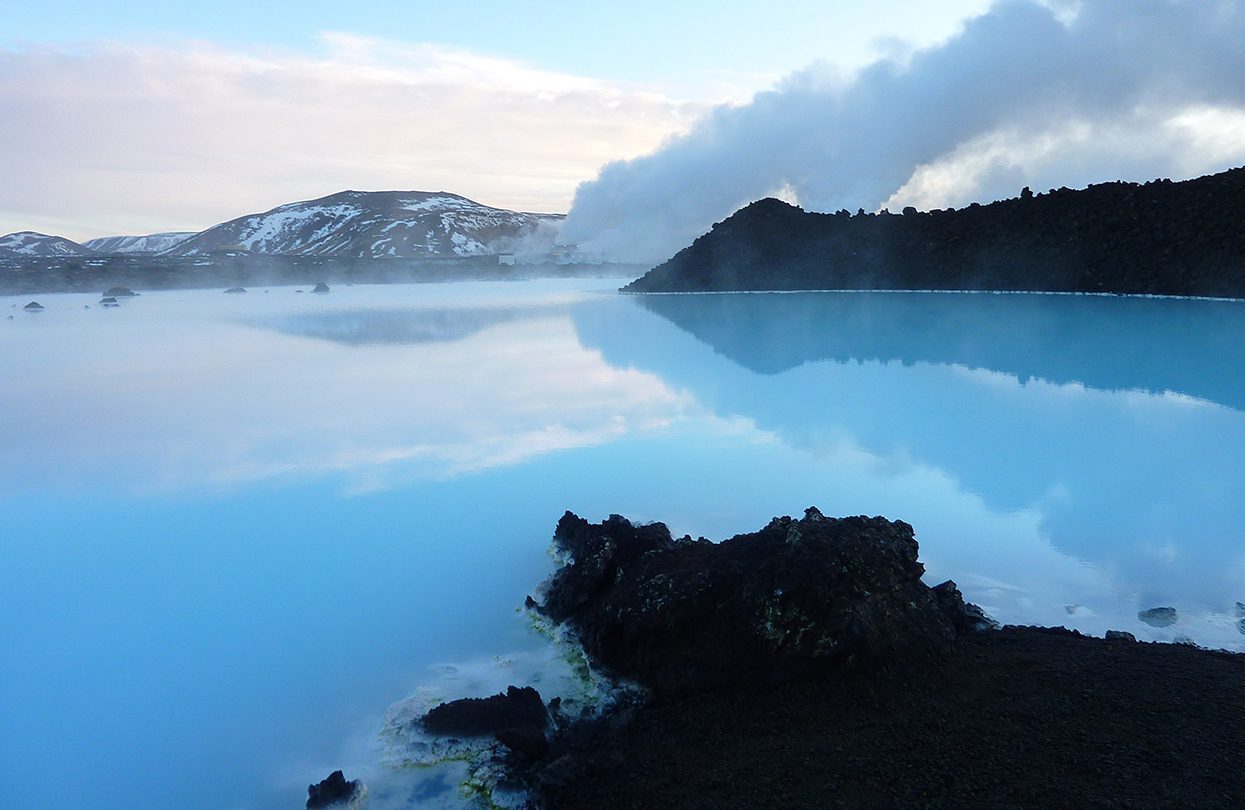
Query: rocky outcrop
point(796, 599)
point(515, 709)
point(1159, 237)
point(321, 288)
point(332, 790)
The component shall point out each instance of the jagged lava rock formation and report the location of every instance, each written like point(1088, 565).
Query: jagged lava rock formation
point(1158, 238)
point(377, 224)
point(795, 599)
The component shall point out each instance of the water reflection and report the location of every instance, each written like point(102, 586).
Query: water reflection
point(192, 389)
point(1110, 343)
point(367, 327)
point(1114, 422)
point(238, 525)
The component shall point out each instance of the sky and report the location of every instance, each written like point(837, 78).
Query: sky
point(646, 121)
point(137, 117)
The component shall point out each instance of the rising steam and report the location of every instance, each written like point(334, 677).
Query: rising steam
point(1027, 93)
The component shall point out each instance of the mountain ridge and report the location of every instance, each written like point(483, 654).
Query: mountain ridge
point(1161, 237)
point(33, 243)
point(146, 243)
point(376, 224)
point(347, 224)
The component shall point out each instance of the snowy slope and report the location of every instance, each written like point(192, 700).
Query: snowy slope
point(29, 243)
point(151, 243)
point(374, 224)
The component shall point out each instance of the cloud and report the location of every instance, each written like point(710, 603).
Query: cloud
point(1028, 93)
point(109, 138)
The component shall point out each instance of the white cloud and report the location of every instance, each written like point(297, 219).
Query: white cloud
point(107, 138)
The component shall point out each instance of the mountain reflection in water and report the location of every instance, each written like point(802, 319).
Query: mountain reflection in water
point(368, 327)
point(1117, 421)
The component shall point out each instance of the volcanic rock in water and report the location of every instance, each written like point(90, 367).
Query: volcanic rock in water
point(119, 292)
point(516, 709)
point(236, 290)
point(1159, 616)
point(321, 288)
point(109, 302)
point(795, 599)
point(33, 306)
point(331, 791)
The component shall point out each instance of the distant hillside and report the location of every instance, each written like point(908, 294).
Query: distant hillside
point(1162, 237)
point(151, 243)
point(377, 224)
point(29, 243)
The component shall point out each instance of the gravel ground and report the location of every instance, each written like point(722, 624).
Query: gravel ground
point(1023, 717)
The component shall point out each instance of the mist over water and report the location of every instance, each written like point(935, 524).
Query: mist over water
point(239, 528)
point(1030, 93)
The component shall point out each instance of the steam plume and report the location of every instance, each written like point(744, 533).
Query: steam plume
point(1025, 93)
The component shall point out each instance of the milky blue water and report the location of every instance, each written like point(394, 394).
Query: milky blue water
point(235, 528)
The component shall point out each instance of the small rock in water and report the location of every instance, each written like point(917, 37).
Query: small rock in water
point(1120, 635)
point(109, 302)
point(119, 292)
point(321, 288)
point(33, 306)
point(1241, 626)
point(332, 790)
point(1159, 616)
point(236, 290)
point(1240, 609)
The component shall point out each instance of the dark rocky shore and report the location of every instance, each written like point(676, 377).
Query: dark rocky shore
point(807, 665)
point(1155, 238)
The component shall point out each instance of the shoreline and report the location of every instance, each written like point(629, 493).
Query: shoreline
point(866, 291)
point(807, 665)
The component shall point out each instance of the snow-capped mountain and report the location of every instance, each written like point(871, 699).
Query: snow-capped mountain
point(375, 224)
point(151, 243)
point(29, 243)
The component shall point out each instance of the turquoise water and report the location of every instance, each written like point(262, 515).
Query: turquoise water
point(235, 529)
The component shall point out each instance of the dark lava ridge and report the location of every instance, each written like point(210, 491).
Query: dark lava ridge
point(1160, 238)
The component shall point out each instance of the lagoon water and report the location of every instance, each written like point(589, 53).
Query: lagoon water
point(236, 528)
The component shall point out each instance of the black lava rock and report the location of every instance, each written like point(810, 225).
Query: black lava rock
point(321, 288)
point(1159, 237)
point(517, 709)
point(236, 290)
point(965, 616)
point(33, 306)
point(119, 292)
point(795, 599)
point(331, 791)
